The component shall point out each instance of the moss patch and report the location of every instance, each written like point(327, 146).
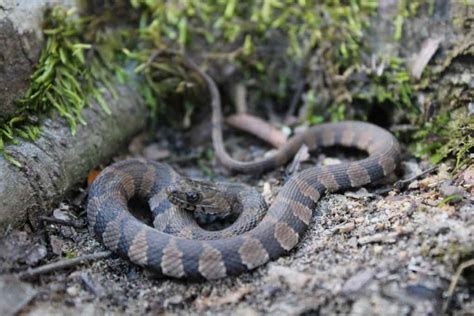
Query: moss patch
point(62, 82)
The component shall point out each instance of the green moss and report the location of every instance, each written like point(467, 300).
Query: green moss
point(447, 135)
point(62, 82)
point(268, 41)
point(275, 46)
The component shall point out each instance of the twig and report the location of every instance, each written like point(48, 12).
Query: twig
point(241, 98)
point(455, 280)
point(403, 128)
point(62, 264)
point(226, 55)
point(63, 222)
point(400, 184)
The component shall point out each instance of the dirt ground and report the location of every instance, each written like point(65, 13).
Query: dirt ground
point(376, 250)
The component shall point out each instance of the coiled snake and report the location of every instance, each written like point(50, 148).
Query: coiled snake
point(197, 253)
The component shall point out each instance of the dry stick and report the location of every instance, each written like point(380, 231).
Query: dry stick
point(258, 127)
point(63, 222)
point(455, 280)
point(401, 183)
point(62, 264)
point(240, 98)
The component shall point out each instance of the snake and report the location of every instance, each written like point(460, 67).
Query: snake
point(176, 246)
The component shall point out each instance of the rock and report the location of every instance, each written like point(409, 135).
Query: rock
point(356, 282)
point(468, 177)
point(230, 297)
point(64, 214)
point(402, 255)
point(345, 228)
point(35, 255)
point(294, 279)
point(155, 152)
point(446, 189)
point(73, 290)
point(362, 193)
point(414, 185)
point(14, 295)
point(417, 295)
point(60, 214)
point(56, 245)
point(173, 300)
point(331, 161)
point(13, 248)
point(378, 249)
point(267, 191)
point(411, 169)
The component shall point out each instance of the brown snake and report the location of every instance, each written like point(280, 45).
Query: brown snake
point(223, 253)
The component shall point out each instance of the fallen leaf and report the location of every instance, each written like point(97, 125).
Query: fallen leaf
point(91, 177)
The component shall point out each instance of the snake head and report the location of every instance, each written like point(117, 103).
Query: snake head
point(200, 197)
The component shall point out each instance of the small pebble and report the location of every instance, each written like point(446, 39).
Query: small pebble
point(414, 185)
point(173, 300)
point(360, 220)
point(62, 215)
point(362, 193)
point(446, 189)
point(331, 161)
point(56, 245)
point(380, 226)
point(356, 282)
point(468, 176)
point(154, 152)
point(34, 256)
point(346, 228)
point(403, 255)
point(378, 249)
point(73, 290)
point(296, 280)
point(411, 169)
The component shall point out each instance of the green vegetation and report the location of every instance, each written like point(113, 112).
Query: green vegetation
point(314, 54)
point(447, 135)
point(62, 82)
point(277, 44)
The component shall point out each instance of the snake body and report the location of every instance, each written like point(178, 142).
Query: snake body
point(221, 255)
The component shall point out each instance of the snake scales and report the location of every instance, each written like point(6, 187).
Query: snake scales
point(220, 254)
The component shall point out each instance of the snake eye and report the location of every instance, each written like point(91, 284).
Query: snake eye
point(192, 197)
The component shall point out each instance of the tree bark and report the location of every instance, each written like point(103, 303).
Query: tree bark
point(58, 161)
point(21, 39)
